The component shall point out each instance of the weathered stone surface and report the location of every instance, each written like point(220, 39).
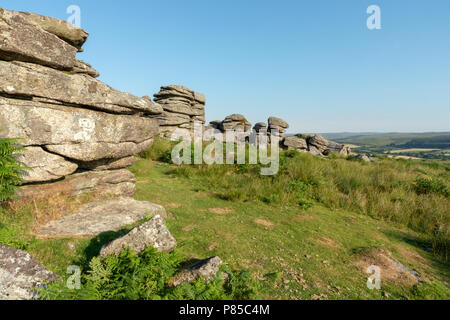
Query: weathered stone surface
point(20, 274)
point(86, 68)
point(260, 127)
point(326, 147)
point(207, 269)
point(62, 29)
point(313, 150)
point(277, 122)
point(365, 158)
point(74, 133)
point(153, 233)
point(277, 127)
point(319, 142)
point(182, 107)
point(108, 183)
point(236, 122)
point(101, 216)
point(44, 166)
point(108, 164)
point(173, 119)
point(295, 143)
point(31, 80)
point(23, 41)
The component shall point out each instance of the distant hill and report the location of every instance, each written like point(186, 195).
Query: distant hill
point(430, 145)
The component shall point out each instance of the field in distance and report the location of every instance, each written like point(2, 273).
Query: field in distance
point(431, 145)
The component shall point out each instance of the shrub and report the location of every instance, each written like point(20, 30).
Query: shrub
point(161, 150)
point(10, 168)
point(428, 185)
point(147, 276)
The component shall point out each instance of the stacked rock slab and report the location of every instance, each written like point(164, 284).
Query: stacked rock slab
point(315, 144)
point(277, 125)
point(182, 107)
point(78, 132)
point(236, 122)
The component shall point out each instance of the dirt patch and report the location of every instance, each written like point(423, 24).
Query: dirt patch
point(144, 182)
point(303, 218)
point(411, 256)
point(188, 228)
point(389, 270)
point(327, 242)
point(265, 223)
point(221, 210)
point(51, 208)
point(173, 205)
point(213, 247)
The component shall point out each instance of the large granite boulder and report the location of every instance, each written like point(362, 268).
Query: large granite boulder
point(75, 133)
point(153, 233)
point(68, 121)
point(44, 166)
point(21, 274)
point(236, 122)
point(325, 147)
point(35, 81)
point(277, 127)
point(23, 41)
point(101, 216)
point(207, 269)
point(260, 127)
point(295, 143)
point(182, 107)
point(100, 183)
point(62, 29)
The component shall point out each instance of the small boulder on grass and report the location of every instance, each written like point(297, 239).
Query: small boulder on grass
point(152, 233)
point(207, 269)
point(21, 275)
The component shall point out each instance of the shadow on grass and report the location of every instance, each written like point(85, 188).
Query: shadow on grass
point(437, 260)
point(95, 245)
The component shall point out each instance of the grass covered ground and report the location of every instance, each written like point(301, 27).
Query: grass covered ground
point(308, 233)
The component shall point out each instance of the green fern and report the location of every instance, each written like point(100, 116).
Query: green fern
point(10, 168)
point(147, 276)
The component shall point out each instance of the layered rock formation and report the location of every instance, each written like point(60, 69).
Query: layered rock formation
point(68, 121)
point(182, 107)
point(315, 144)
point(277, 125)
point(235, 122)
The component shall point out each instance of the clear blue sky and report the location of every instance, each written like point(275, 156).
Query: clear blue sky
point(311, 62)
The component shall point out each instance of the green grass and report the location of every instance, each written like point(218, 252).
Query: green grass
point(304, 234)
point(295, 247)
point(387, 142)
point(409, 193)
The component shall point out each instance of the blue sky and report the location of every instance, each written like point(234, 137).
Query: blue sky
point(311, 62)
